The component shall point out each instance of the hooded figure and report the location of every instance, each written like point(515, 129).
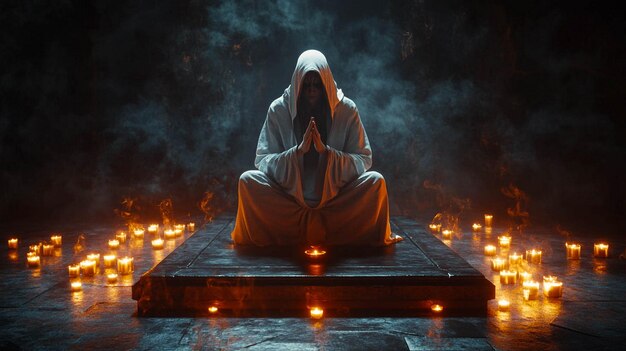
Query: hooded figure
point(312, 186)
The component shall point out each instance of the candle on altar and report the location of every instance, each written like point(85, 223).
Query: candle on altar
point(76, 286)
point(191, 226)
point(157, 244)
point(525, 277)
point(573, 251)
point(153, 228)
point(109, 260)
point(530, 290)
point(601, 250)
point(74, 270)
point(138, 233)
point(447, 234)
point(121, 237)
point(477, 227)
point(33, 261)
point(114, 244)
point(56, 240)
point(490, 250)
point(111, 278)
point(314, 252)
point(498, 264)
point(508, 277)
point(488, 220)
point(435, 228)
point(13, 243)
point(552, 287)
point(504, 241)
point(533, 256)
point(125, 265)
point(515, 259)
point(316, 312)
point(169, 234)
point(503, 305)
point(88, 267)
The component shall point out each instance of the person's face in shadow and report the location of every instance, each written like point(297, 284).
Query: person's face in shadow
point(312, 88)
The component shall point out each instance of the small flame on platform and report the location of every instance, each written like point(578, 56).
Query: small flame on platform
point(436, 308)
point(314, 252)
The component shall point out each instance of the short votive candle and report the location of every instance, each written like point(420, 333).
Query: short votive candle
point(515, 259)
point(94, 257)
point(191, 226)
point(530, 290)
point(56, 240)
point(169, 234)
point(488, 220)
point(316, 312)
point(76, 286)
point(508, 277)
point(178, 232)
point(33, 261)
point(498, 264)
point(153, 228)
point(503, 305)
point(525, 277)
point(114, 244)
point(552, 287)
point(73, 270)
point(447, 234)
point(435, 228)
point(180, 227)
point(121, 237)
point(37, 248)
point(573, 251)
point(111, 278)
point(601, 250)
point(125, 265)
point(533, 256)
point(504, 241)
point(477, 227)
point(47, 249)
point(13, 243)
point(490, 250)
point(138, 233)
point(109, 260)
point(88, 268)
point(157, 244)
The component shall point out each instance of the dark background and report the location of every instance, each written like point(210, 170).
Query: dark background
point(469, 106)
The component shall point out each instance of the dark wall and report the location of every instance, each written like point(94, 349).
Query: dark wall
point(469, 106)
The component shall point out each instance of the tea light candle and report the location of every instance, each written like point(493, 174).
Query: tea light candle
point(180, 227)
point(508, 277)
point(94, 257)
point(121, 237)
point(109, 260)
point(552, 287)
point(601, 250)
point(191, 226)
point(178, 232)
point(76, 286)
point(503, 305)
point(47, 249)
point(213, 309)
point(13, 243)
point(504, 240)
point(37, 248)
point(573, 251)
point(447, 234)
point(525, 277)
point(169, 234)
point(490, 250)
point(533, 256)
point(33, 261)
point(74, 270)
point(111, 278)
point(515, 259)
point(498, 264)
point(114, 244)
point(88, 268)
point(435, 228)
point(316, 312)
point(157, 244)
point(436, 308)
point(530, 290)
point(314, 252)
point(56, 240)
point(488, 220)
point(125, 265)
point(476, 227)
point(138, 233)
point(153, 228)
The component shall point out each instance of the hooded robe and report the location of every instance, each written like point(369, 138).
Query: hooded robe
point(280, 205)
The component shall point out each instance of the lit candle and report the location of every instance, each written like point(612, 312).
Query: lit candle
point(47, 249)
point(447, 234)
point(56, 240)
point(436, 308)
point(138, 233)
point(114, 244)
point(13, 243)
point(153, 228)
point(213, 309)
point(530, 290)
point(552, 287)
point(316, 312)
point(525, 277)
point(180, 227)
point(600, 250)
point(111, 278)
point(125, 265)
point(169, 234)
point(533, 256)
point(515, 259)
point(314, 252)
point(488, 220)
point(476, 227)
point(74, 270)
point(109, 260)
point(490, 250)
point(121, 237)
point(508, 277)
point(37, 248)
point(94, 257)
point(435, 228)
point(498, 264)
point(503, 305)
point(33, 261)
point(573, 251)
point(76, 286)
point(88, 267)
point(157, 244)
point(504, 240)
point(191, 226)
point(178, 232)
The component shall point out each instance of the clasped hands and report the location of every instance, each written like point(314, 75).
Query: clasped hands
point(311, 136)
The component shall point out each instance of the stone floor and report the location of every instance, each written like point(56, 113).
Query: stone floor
point(38, 310)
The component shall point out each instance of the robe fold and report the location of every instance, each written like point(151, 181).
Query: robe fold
point(276, 206)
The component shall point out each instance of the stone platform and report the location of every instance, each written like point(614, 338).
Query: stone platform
point(405, 279)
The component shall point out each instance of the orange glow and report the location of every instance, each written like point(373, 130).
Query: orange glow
point(533, 256)
point(573, 251)
point(121, 237)
point(169, 234)
point(498, 264)
point(314, 252)
point(157, 244)
point(109, 260)
point(88, 267)
point(600, 250)
point(114, 244)
point(316, 312)
point(153, 228)
point(476, 227)
point(57, 240)
point(111, 278)
point(434, 227)
point(504, 240)
point(447, 234)
point(508, 277)
point(530, 290)
point(515, 259)
point(490, 250)
point(13, 243)
point(436, 308)
point(33, 261)
point(138, 233)
point(73, 270)
point(213, 309)
point(125, 265)
point(191, 226)
point(488, 220)
point(503, 305)
point(76, 286)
